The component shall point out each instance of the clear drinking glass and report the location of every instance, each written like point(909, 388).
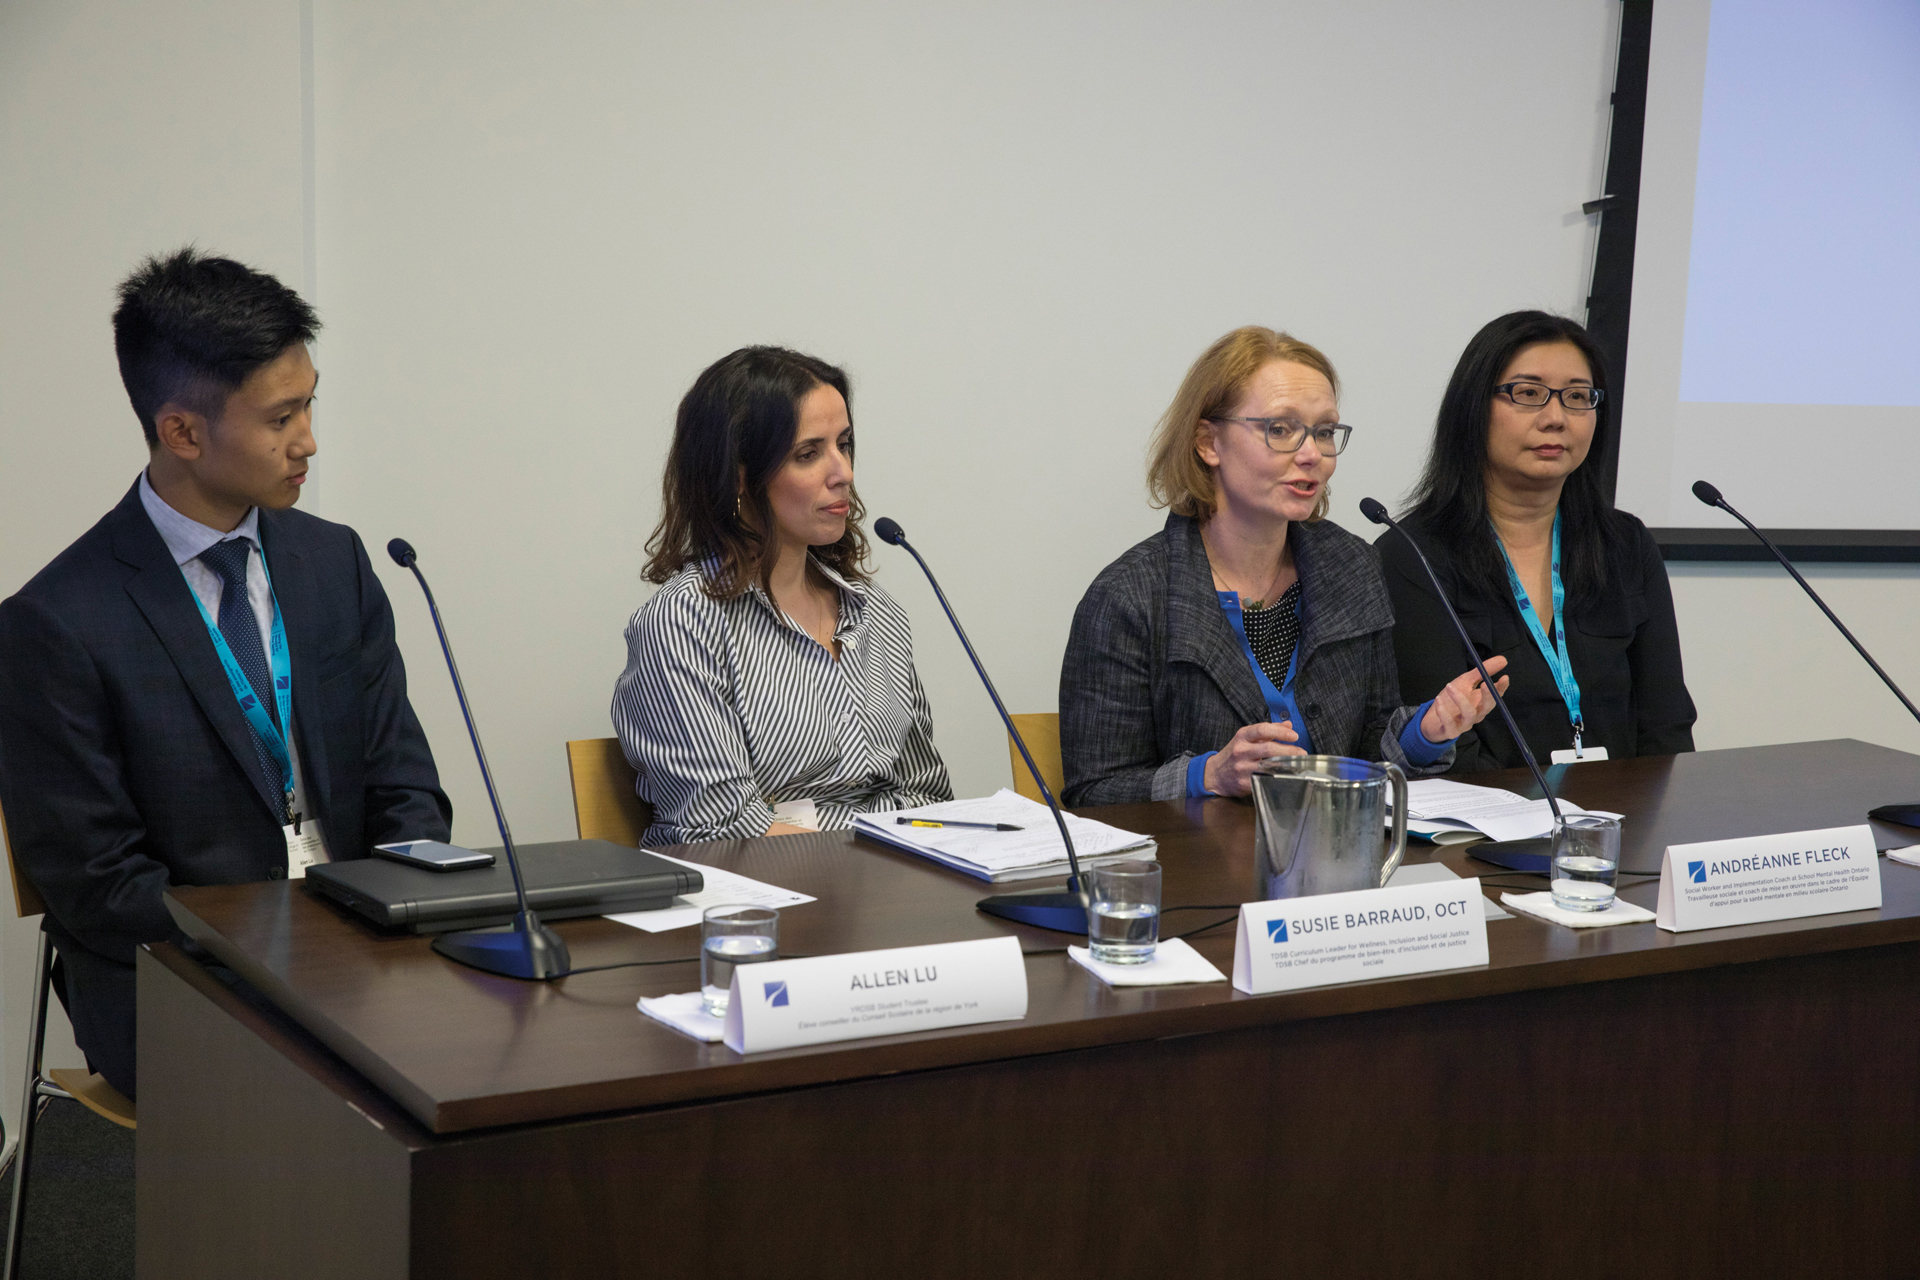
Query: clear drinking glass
point(731, 936)
point(1586, 859)
point(1123, 911)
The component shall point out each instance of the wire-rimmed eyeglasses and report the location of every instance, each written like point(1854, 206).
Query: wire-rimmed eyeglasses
point(1534, 395)
point(1284, 435)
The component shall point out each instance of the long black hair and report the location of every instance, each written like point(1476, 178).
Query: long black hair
point(1451, 495)
point(739, 418)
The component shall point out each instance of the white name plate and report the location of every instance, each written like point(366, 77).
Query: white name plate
point(1345, 937)
point(1799, 873)
point(784, 1003)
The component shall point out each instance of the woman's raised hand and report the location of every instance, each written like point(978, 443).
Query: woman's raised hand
point(1462, 704)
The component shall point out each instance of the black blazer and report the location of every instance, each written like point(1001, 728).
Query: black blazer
point(1154, 674)
point(125, 763)
point(1623, 643)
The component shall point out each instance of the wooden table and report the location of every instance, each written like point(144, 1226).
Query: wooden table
point(1604, 1102)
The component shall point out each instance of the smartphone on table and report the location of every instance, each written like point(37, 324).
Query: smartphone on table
point(433, 855)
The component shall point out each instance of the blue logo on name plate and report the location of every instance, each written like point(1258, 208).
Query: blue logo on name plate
point(1697, 872)
point(1276, 931)
point(777, 994)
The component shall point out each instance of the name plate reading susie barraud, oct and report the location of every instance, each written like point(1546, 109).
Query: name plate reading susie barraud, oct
point(1799, 873)
point(785, 1003)
point(1291, 943)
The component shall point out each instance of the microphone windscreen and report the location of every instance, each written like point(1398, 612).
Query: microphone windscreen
point(888, 531)
point(402, 552)
point(1372, 510)
point(1706, 493)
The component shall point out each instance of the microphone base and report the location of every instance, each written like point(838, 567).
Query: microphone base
point(1532, 856)
point(1061, 910)
point(1907, 815)
point(526, 949)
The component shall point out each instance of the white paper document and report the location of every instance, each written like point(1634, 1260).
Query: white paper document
point(1029, 853)
point(721, 887)
point(1436, 805)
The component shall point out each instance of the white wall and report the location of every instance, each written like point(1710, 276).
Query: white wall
point(1015, 224)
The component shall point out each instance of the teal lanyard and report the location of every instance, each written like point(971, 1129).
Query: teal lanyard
point(282, 672)
point(1556, 653)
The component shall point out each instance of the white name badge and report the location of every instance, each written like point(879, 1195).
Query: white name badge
point(1346, 937)
point(1800, 873)
point(303, 850)
point(1582, 756)
point(784, 1003)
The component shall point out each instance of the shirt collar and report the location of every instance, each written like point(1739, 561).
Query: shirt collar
point(187, 538)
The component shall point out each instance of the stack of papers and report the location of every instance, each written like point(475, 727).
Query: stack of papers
point(1450, 812)
point(1030, 853)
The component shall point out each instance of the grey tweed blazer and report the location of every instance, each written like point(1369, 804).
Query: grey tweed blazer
point(1154, 674)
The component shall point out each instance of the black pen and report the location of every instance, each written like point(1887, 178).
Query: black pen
point(983, 826)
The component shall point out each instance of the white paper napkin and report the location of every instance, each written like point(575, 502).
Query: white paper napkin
point(1909, 855)
point(1173, 962)
point(1541, 906)
point(685, 1014)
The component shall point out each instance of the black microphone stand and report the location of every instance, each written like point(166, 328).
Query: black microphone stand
point(1905, 814)
point(527, 949)
point(1534, 855)
point(1064, 911)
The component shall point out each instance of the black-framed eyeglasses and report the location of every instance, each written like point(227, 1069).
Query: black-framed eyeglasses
point(1284, 435)
point(1534, 395)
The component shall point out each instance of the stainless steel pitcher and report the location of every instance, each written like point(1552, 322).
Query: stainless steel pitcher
point(1321, 825)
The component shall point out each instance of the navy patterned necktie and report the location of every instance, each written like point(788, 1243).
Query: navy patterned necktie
point(241, 630)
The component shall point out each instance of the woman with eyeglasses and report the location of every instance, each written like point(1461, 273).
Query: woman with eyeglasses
point(1521, 530)
point(1250, 626)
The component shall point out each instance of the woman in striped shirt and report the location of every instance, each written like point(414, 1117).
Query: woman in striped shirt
point(770, 686)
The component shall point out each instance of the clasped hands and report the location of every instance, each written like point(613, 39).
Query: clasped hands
point(1463, 703)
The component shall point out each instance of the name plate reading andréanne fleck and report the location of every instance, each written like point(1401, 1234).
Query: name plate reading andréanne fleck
point(1799, 873)
point(1346, 937)
point(785, 1003)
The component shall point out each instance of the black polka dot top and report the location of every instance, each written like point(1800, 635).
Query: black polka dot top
point(1273, 632)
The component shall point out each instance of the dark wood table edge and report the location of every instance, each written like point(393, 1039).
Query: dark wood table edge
point(1001, 1041)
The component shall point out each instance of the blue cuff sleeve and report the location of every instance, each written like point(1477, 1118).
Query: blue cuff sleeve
point(1197, 775)
point(1420, 752)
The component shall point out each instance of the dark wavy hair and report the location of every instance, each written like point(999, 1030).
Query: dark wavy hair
point(740, 418)
point(1450, 497)
point(191, 327)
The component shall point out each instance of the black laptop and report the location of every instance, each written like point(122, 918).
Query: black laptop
point(566, 878)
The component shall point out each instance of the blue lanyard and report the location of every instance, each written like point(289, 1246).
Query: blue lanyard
point(1556, 654)
point(1282, 703)
point(282, 671)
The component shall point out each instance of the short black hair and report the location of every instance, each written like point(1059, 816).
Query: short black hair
point(191, 327)
point(1451, 495)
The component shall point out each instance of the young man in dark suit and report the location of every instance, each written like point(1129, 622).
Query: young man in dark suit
point(204, 689)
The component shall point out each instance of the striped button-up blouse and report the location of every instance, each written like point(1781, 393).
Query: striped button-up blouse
point(728, 707)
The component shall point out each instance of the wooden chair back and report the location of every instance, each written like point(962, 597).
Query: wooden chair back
point(26, 899)
point(1041, 729)
point(604, 804)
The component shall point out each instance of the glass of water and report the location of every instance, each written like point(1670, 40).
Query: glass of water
point(1123, 911)
point(1586, 858)
point(731, 936)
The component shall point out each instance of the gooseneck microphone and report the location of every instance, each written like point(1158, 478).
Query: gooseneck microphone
point(1905, 814)
point(1518, 855)
point(528, 949)
point(1062, 910)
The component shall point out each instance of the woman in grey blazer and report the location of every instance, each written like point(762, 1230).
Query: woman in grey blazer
point(1251, 626)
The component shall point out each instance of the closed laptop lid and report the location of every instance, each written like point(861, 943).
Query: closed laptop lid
point(563, 878)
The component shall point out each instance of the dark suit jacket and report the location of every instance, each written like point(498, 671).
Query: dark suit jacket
point(125, 763)
point(1154, 674)
point(1624, 645)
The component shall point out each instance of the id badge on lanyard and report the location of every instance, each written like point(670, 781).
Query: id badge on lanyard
point(280, 668)
point(1554, 652)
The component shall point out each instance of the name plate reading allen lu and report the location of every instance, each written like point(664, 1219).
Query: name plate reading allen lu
point(1346, 937)
point(785, 1003)
point(1800, 873)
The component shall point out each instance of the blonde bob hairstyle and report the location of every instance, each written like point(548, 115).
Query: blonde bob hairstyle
point(1177, 478)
